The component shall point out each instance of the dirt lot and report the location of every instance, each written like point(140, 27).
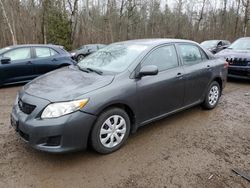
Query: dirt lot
point(183, 150)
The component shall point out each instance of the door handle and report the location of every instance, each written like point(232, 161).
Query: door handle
point(54, 59)
point(179, 75)
point(29, 63)
point(209, 67)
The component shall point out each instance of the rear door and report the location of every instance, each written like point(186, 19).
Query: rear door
point(198, 72)
point(46, 60)
point(20, 66)
point(162, 93)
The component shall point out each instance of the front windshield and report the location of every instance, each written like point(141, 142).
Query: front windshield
point(81, 47)
point(113, 58)
point(209, 43)
point(241, 44)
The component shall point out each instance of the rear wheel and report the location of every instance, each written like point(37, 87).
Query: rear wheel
point(212, 96)
point(110, 131)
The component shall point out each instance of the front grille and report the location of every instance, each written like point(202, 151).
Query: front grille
point(238, 72)
point(237, 61)
point(25, 107)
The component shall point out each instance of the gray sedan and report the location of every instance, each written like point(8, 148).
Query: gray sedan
point(113, 92)
point(86, 50)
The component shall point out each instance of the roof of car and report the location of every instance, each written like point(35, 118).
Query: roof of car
point(157, 41)
point(93, 44)
point(214, 40)
point(3, 50)
point(28, 45)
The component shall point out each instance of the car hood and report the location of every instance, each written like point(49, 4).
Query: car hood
point(228, 53)
point(66, 84)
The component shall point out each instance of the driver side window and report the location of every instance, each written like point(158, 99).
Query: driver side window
point(18, 54)
point(163, 57)
point(219, 44)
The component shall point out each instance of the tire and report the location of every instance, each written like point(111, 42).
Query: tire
point(111, 138)
point(80, 57)
point(212, 96)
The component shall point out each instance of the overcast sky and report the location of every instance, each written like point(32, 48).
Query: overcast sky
point(163, 3)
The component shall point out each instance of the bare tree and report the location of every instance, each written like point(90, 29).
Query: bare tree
point(201, 15)
point(14, 41)
point(237, 17)
point(179, 9)
point(246, 4)
point(73, 6)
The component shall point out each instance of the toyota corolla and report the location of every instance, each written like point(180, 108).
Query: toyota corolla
point(111, 93)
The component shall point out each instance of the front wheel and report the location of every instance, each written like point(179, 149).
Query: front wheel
point(110, 131)
point(80, 57)
point(212, 96)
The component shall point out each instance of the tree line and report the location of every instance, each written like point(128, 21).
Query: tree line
point(72, 23)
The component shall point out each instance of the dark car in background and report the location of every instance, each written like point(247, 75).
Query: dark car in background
point(238, 57)
point(22, 63)
point(215, 46)
point(86, 50)
point(114, 91)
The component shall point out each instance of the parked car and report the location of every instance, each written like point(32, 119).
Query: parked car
point(86, 50)
point(113, 92)
point(215, 46)
point(238, 57)
point(23, 63)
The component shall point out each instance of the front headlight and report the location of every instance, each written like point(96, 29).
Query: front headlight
point(59, 109)
point(73, 53)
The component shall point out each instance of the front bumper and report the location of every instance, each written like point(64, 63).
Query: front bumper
point(58, 135)
point(239, 72)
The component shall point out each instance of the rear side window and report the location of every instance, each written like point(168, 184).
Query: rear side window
point(164, 58)
point(190, 54)
point(42, 52)
point(18, 54)
point(220, 43)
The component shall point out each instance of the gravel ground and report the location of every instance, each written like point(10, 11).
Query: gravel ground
point(195, 148)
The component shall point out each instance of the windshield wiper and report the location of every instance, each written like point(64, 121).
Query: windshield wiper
point(82, 69)
point(88, 70)
point(94, 70)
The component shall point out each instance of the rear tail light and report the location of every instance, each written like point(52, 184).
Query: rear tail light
point(226, 65)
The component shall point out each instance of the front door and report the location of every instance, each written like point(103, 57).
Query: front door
point(162, 93)
point(20, 67)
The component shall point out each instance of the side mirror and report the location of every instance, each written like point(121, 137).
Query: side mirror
point(148, 70)
point(5, 60)
point(219, 45)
